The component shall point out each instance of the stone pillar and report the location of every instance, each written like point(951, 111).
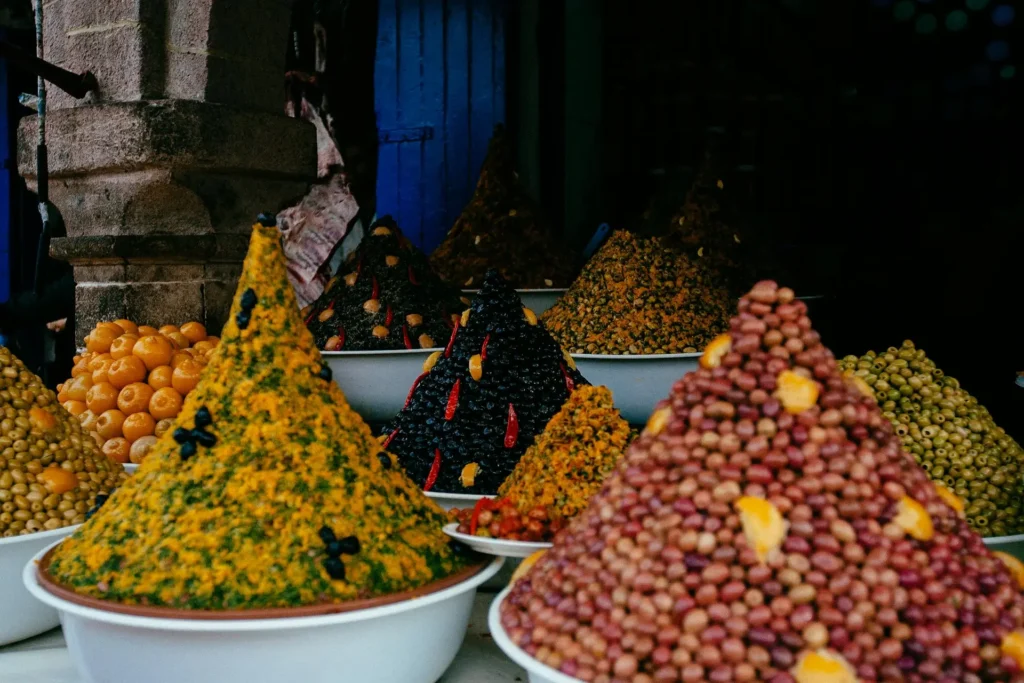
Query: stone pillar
point(161, 172)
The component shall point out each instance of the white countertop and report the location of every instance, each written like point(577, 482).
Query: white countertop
point(45, 659)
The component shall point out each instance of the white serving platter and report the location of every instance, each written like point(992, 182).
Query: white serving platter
point(536, 672)
point(131, 467)
point(451, 501)
point(21, 615)
point(498, 547)
point(637, 382)
point(376, 383)
point(1011, 545)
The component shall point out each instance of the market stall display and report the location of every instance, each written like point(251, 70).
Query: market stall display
point(269, 510)
point(501, 228)
point(766, 525)
point(51, 475)
point(384, 297)
point(480, 401)
point(129, 385)
point(558, 473)
point(952, 437)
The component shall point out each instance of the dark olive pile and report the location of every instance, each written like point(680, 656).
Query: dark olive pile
point(767, 526)
point(637, 296)
point(51, 471)
point(502, 228)
point(384, 297)
point(452, 420)
point(950, 434)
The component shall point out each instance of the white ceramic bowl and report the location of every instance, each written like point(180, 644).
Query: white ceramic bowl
point(376, 383)
point(537, 672)
point(1011, 545)
point(537, 300)
point(637, 382)
point(413, 641)
point(21, 615)
point(498, 547)
point(130, 467)
point(450, 501)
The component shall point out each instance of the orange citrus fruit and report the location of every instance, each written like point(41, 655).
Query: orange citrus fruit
point(96, 359)
point(213, 340)
point(113, 327)
point(88, 420)
point(62, 392)
point(99, 340)
point(147, 330)
point(186, 376)
point(178, 339)
point(57, 479)
point(202, 347)
point(162, 426)
point(80, 368)
point(76, 408)
point(137, 426)
point(117, 449)
point(153, 350)
point(140, 448)
point(160, 377)
point(125, 371)
point(101, 373)
point(122, 346)
point(179, 357)
point(109, 424)
point(79, 387)
point(128, 326)
point(167, 329)
point(101, 397)
point(165, 403)
point(194, 332)
point(134, 398)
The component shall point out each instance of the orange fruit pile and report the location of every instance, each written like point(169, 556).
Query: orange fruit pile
point(129, 385)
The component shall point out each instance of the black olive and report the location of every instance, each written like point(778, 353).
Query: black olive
point(334, 548)
point(335, 568)
point(242, 319)
point(182, 435)
point(267, 220)
point(248, 299)
point(204, 437)
point(349, 545)
point(385, 460)
point(325, 373)
point(203, 418)
point(188, 449)
point(326, 534)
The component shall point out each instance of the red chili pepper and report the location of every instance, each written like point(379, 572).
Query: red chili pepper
point(341, 337)
point(391, 437)
point(512, 429)
point(388, 317)
point(481, 505)
point(359, 268)
point(570, 383)
point(483, 347)
point(405, 337)
point(412, 389)
point(453, 400)
point(330, 307)
point(451, 342)
point(412, 276)
point(376, 289)
point(434, 469)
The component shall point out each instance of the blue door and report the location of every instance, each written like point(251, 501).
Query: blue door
point(439, 90)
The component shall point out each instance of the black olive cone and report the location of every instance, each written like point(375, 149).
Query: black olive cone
point(521, 367)
point(237, 507)
point(767, 526)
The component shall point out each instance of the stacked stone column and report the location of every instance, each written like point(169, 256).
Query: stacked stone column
point(160, 173)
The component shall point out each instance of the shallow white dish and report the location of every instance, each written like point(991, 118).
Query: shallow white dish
point(376, 383)
point(413, 641)
point(537, 300)
point(537, 672)
point(450, 501)
point(1011, 545)
point(495, 546)
point(637, 382)
point(130, 467)
point(21, 615)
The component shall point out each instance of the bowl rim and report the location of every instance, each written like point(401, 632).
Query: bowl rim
point(497, 544)
point(44, 588)
point(130, 467)
point(1012, 538)
point(40, 535)
point(636, 356)
point(466, 497)
point(513, 651)
point(392, 352)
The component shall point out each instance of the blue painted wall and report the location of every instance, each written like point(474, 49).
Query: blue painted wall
point(439, 90)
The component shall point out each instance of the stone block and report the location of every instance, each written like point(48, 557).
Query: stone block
point(164, 272)
point(217, 299)
point(96, 302)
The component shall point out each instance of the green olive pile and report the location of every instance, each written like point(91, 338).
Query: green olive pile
point(50, 470)
point(950, 435)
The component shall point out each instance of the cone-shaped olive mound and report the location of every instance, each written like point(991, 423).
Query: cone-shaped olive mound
point(51, 471)
point(502, 228)
point(270, 491)
point(384, 297)
point(952, 436)
point(767, 526)
point(478, 404)
point(637, 296)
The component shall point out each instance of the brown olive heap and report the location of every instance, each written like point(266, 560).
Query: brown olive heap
point(767, 526)
point(950, 435)
point(51, 471)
